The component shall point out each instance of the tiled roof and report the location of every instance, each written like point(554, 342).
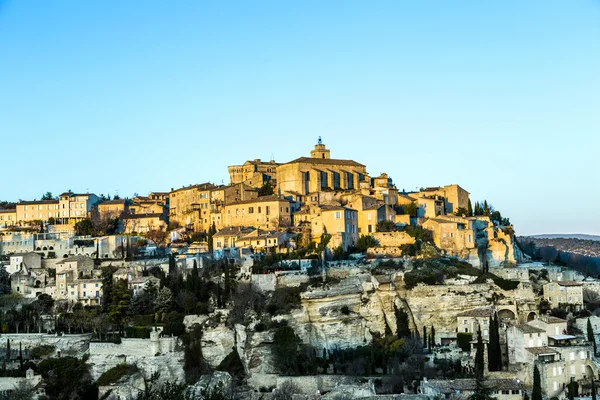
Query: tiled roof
point(526, 328)
point(118, 201)
point(569, 283)
point(325, 161)
point(232, 230)
point(200, 186)
point(141, 216)
point(541, 350)
point(38, 202)
point(549, 319)
point(477, 312)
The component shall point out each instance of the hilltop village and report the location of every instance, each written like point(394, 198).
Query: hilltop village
point(307, 279)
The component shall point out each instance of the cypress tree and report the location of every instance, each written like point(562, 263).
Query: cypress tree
point(20, 356)
point(498, 349)
point(425, 337)
point(470, 209)
point(479, 357)
point(593, 389)
point(486, 208)
point(590, 334)
point(492, 356)
point(536, 393)
point(432, 339)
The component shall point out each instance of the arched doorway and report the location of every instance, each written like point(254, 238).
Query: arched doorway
point(531, 316)
point(506, 315)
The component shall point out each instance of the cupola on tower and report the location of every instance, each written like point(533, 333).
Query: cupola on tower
point(320, 151)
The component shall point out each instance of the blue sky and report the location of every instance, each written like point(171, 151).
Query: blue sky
point(502, 97)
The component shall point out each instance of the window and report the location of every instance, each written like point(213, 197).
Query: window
point(582, 355)
point(84, 285)
point(465, 322)
point(338, 215)
point(485, 322)
point(485, 332)
point(572, 356)
point(505, 392)
point(250, 210)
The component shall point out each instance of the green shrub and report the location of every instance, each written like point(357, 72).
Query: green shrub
point(116, 373)
point(42, 350)
point(139, 332)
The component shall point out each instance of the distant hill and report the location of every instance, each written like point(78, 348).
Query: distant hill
point(574, 244)
point(579, 236)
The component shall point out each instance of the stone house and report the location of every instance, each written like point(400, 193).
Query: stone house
point(143, 223)
point(267, 212)
point(339, 222)
point(187, 204)
point(112, 208)
point(265, 241)
point(30, 260)
point(227, 237)
point(473, 320)
point(89, 292)
point(450, 233)
point(564, 293)
point(454, 197)
point(521, 337)
point(138, 285)
point(8, 218)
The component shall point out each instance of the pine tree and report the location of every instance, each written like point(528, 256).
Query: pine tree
point(536, 393)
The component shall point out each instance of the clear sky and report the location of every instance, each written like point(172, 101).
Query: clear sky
point(502, 97)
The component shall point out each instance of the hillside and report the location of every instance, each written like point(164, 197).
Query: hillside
point(584, 247)
point(566, 236)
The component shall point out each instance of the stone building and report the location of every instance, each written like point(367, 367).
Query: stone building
point(113, 208)
point(319, 172)
point(187, 204)
point(341, 223)
point(266, 212)
point(454, 197)
point(253, 173)
point(143, 223)
point(451, 233)
point(473, 320)
point(8, 218)
point(29, 260)
point(562, 293)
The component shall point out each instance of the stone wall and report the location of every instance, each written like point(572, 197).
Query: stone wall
point(264, 282)
point(76, 345)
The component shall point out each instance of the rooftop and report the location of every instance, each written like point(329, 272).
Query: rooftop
point(325, 161)
point(569, 283)
point(526, 328)
point(477, 312)
point(541, 351)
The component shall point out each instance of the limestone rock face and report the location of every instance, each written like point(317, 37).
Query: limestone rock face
point(212, 383)
point(341, 315)
point(254, 350)
point(169, 365)
point(217, 343)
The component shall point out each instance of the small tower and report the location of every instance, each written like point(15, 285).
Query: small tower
point(320, 151)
